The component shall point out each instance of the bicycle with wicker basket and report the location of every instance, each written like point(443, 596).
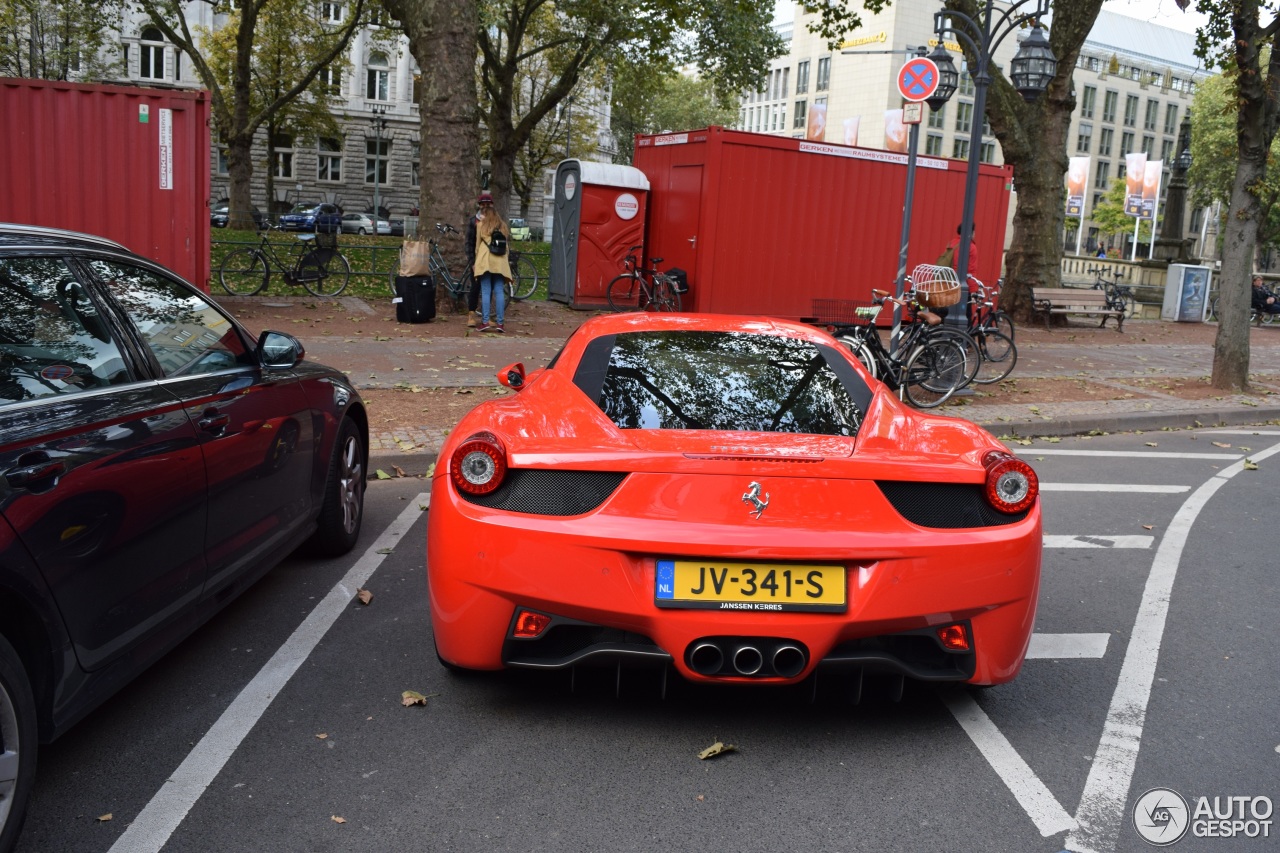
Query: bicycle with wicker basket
point(924, 371)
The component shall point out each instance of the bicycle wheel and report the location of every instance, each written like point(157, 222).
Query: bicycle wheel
point(665, 297)
point(999, 356)
point(968, 347)
point(933, 373)
point(861, 352)
point(323, 272)
point(1213, 310)
point(625, 293)
point(525, 277)
point(1000, 322)
point(244, 272)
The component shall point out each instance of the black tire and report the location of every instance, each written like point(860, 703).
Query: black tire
point(999, 357)
point(933, 373)
point(665, 297)
point(362, 232)
point(972, 357)
point(323, 272)
point(466, 283)
point(343, 510)
point(244, 272)
point(525, 278)
point(1213, 310)
point(1002, 323)
point(18, 744)
point(625, 294)
point(861, 352)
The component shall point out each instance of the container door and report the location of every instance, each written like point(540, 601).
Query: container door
point(679, 211)
point(567, 214)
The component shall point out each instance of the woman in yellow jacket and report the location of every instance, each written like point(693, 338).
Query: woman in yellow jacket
point(492, 271)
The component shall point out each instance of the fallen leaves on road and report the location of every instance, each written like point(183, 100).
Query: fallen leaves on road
point(717, 748)
point(364, 596)
point(1250, 465)
point(1221, 444)
point(102, 818)
point(1148, 527)
point(410, 698)
point(337, 819)
point(1152, 444)
point(382, 475)
point(399, 471)
point(321, 736)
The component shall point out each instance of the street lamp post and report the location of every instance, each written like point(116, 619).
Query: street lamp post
point(1032, 68)
point(1171, 245)
point(379, 121)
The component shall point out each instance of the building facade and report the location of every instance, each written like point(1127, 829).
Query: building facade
point(1134, 83)
point(378, 151)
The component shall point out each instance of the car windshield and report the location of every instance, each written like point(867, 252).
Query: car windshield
point(725, 381)
point(303, 208)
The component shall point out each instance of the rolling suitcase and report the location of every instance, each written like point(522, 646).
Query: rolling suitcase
point(415, 299)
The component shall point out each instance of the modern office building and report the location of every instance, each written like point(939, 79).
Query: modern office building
point(1134, 83)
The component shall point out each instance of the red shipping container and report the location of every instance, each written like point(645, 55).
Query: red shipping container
point(131, 165)
point(766, 224)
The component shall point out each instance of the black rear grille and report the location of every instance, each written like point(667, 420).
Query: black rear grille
point(945, 505)
point(539, 491)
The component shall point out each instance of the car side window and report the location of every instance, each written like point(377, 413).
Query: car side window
point(184, 331)
point(53, 340)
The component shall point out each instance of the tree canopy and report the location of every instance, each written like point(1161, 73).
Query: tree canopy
point(70, 39)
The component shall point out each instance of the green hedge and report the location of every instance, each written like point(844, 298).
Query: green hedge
point(372, 260)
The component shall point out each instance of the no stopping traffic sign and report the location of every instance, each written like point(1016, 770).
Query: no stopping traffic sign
point(918, 79)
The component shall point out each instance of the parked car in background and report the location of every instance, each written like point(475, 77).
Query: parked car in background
point(520, 229)
point(220, 215)
point(363, 223)
point(397, 227)
point(156, 460)
point(309, 216)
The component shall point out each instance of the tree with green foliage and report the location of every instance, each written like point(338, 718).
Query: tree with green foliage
point(68, 40)
point(1110, 219)
point(1241, 38)
point(649, 101)
point(240, 107)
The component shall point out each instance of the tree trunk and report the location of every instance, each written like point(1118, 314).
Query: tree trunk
point(442, 38)
point(240, 167)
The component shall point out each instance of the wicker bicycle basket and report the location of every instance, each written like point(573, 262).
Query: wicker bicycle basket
point(936, 287)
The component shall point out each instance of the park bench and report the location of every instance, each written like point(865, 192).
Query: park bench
point(1071, 300)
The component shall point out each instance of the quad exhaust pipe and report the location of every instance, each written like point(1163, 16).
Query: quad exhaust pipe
point(750, 657)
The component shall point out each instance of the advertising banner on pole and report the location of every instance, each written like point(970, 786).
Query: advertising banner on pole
point(1151, 180)
point(895, 132)
point(851, 126)
point(1077, 180)
point(817, 127)
point(1135, 164)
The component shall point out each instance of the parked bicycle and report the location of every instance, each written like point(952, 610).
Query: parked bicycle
point(1119, 296)
point(925, 372)
point(985, 308)
point(639, 289)
point(1255, 316)
point(313, 262)
point(997, 353)
point(524, 274)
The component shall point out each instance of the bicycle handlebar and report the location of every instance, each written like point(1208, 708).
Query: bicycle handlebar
point(445, 228)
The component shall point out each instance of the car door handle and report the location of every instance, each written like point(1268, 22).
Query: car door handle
point(214, 421)
point(40, 468)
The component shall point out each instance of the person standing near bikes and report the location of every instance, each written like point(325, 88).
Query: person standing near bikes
point(491, 266)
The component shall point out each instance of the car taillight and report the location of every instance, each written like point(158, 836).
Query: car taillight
point(479, 464)
point(1012, 485)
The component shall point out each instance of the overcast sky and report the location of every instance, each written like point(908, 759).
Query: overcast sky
point(1163, 12)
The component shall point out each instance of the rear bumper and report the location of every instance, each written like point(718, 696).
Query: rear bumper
point(600, 570)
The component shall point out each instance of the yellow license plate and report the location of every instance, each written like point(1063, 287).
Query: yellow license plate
point(708, 585)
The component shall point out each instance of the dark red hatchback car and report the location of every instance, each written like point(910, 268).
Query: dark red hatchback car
point(155, 460)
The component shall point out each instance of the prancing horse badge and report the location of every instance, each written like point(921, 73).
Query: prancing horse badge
point(752, 496)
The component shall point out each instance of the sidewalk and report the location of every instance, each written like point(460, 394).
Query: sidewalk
point(1150, 377)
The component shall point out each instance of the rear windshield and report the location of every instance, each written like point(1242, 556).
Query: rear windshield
point(725, 381)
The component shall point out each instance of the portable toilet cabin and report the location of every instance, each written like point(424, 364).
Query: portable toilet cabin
point(598, 215)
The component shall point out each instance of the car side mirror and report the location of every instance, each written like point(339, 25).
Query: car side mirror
point(512, 376)
point(278, 351)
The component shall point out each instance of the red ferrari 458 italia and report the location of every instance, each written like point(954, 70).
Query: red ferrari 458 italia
point(732, 497)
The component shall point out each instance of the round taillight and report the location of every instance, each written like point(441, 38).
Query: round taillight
point(1012, 485)
point(479, 464)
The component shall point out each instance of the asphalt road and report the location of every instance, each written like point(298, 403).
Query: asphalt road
point(1155, 666)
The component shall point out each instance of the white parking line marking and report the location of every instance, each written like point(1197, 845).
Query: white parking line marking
point(1114, 487)
point(1063, 646)
point(151, 829)
point(1098, 541)
point(1241, 432)
point(1039, 803)
point(1106, 790)
point(1129, 454)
